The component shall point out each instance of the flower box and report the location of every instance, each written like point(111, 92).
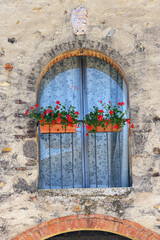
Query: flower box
point(108, 128)
point(57, 128)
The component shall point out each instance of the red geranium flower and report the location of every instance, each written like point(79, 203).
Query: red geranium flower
point(111, 112)
point(109, 102)
point(100, 117)
point(101, 111)
point(58, 102)
point(107, 123)
point(116, 126)
point(77, 113)
point(121, 103)
point(53, 122)
point(26, 113)
point(57, 106)
point(45, 112)
point(69, 118)
point(59, 119)
point(89, 127)
point(87, 134)
point(59, 114)
point(100, 101)
point(32, 107)
point(52, 114)
point(42, 116)
point(37, 105)
point(132, 125)
point(49, 110)
point(128, 121)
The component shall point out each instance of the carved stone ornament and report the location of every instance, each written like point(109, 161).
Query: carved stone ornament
point(79, 18)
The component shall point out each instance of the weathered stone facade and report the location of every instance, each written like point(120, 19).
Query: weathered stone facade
point(32, 34)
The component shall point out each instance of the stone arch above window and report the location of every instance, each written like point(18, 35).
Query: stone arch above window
point(73, 160)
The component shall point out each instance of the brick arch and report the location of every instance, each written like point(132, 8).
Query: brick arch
point(96, 222)
point(79, 52)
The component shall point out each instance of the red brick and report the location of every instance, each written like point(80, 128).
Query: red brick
point(27, 232)
point(42, 233)
point(76, 221)
point(62, 219)
point(72, 224)
point(53, 221)
point(137, 225)
point(143, 235)
point(46, 230)
point(81, 223)
point(156, 236)
point(50, 228)
point(59, 227)
point(115, 226)
point(101, 223)
point(109, 218)
point(91, 223)
point(68, 225)
point(33, 236)
point(107, 224)
point(82, 216)
point(28, 237)
point(37, 234)
point(122, 228)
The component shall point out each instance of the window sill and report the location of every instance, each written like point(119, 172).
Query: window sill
point(85, 192)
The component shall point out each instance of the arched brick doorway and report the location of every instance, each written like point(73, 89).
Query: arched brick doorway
point(92, 222)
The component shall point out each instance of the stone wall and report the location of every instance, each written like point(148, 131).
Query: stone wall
point(34, 32)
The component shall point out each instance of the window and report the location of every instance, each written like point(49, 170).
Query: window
point(73, 160)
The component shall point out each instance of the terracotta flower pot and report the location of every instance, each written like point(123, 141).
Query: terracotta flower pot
point(57, 128)
point(109, 128)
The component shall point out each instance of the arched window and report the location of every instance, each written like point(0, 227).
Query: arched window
point(73, 160)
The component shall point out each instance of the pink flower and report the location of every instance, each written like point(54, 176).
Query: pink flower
point(111, 112)
point(26, 113)
point(57, 102)
point(32, 107)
